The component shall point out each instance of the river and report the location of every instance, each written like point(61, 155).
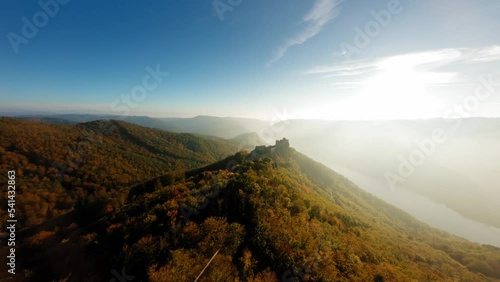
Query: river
point(434, 214)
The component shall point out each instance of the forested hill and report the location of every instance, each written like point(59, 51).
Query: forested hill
point(269, 215)
point(57, 164)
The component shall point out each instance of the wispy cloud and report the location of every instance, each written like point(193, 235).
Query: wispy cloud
point(321, 14)
point(434, 68)
point(345, 68)
point(421, 61)
point(483, 55)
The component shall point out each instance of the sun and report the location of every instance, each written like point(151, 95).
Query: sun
point(395, 93)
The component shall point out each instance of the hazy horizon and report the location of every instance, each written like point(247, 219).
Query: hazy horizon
point(273, 119)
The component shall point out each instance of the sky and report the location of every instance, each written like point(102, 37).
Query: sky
point(321, 59)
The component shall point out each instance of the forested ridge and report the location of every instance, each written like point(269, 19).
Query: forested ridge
point(272, 214)
point(58, 164)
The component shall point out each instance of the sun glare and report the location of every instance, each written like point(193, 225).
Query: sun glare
point(396, 93)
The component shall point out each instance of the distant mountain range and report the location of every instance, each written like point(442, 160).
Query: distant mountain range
point(206, 125)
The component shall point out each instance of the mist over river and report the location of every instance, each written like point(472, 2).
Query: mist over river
point(434, 214)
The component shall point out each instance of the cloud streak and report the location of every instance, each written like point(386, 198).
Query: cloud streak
point(433, 68)
point(322, 13)
point(425, 61)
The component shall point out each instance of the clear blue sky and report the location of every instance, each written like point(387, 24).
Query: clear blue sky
point(260, 59)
